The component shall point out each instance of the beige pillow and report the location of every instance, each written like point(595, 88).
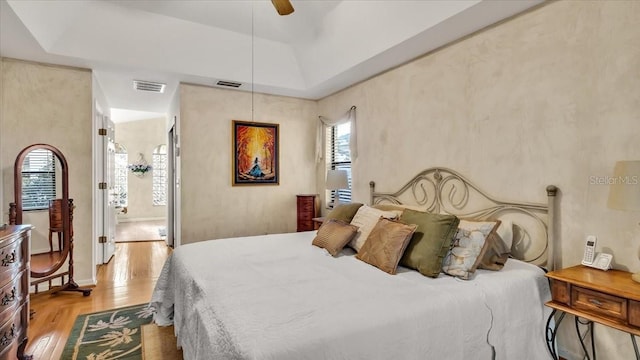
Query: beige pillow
point(365, 219)
point(469, 247)
point(333, 235)
point(386, 244)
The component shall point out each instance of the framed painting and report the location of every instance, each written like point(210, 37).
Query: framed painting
point(255, 153)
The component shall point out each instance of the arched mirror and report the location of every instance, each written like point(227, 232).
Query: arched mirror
point(41, 191)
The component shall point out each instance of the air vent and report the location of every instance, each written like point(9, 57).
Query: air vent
point(149, 86)
point(229, 84)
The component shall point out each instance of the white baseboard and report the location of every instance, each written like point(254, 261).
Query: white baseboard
point(141, 219)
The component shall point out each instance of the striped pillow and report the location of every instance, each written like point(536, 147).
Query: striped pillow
point(333, 235)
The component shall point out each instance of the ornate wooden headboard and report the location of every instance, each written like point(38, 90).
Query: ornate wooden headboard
point(442, 190)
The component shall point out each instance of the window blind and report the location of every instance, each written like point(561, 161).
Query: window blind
point(38, 179)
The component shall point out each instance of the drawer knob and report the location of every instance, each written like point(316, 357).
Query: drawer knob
point(9, 259)
point(595, 302)
point(8, 298)
point(8, 336)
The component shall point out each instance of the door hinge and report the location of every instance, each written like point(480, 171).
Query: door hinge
point(102, 185)
point(102, 239)
point(102, 132)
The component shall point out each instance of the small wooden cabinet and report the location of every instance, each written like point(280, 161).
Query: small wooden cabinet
point(308, 208)
point(14, 291)
point(607, 297)
point(610, 298)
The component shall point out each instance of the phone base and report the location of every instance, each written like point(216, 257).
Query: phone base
point(593, 265)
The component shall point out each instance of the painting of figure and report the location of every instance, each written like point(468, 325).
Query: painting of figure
point(255, 153)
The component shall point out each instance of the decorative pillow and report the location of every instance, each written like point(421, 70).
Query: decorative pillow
point(499, 247)
point(344, 212)
point(385, 245)
point(430, 242)
point(469, 246)
point(333, 235)
point(365, 219)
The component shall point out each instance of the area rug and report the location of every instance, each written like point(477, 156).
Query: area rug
point(111, 334)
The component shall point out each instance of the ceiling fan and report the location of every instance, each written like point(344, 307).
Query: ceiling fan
point(283, 7)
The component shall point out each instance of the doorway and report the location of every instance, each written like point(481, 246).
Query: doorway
point(141, 178)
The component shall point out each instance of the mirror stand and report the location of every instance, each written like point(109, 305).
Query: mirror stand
point(45, 266)
point(70, 284)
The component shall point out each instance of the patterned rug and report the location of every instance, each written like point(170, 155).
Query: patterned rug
point(111, 334)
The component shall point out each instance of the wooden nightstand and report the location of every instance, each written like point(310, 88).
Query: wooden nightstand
point(609, 298)
point(317, 222)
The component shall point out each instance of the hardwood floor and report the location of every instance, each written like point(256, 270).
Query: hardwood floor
point(128, 279)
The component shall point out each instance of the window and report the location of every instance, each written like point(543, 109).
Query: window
point(121, 179)
point(159, 166)
point(339, 157)
point(38, 179)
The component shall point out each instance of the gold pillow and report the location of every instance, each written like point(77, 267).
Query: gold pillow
point(333, 235)
point(386, 244)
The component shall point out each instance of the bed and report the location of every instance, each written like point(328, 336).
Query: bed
point(279, 297)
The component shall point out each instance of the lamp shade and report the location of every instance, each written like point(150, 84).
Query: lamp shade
point(337, 179)
point(624, 190)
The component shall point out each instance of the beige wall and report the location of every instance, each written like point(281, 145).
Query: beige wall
point(211, 208)
point(52, 105)
point(550, 97)
point(142, 136)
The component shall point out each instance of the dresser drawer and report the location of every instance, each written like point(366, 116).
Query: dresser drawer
point(305, 225)
point(13, 257)
point(598, 303)
point(12, 295)
point(306, 205)
point(13, 330)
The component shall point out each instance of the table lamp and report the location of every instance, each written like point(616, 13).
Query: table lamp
point(336, 180)
point(624, 190)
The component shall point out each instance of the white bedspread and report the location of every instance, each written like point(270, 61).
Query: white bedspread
point(278, 297)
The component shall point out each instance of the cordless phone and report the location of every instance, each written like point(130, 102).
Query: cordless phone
point(592, 259)
point(589, 250)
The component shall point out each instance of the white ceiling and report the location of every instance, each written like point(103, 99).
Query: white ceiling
point(323, 47)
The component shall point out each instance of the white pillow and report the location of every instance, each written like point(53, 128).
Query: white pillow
point(366, 219)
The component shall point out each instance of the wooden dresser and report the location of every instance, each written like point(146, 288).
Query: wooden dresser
point(308, 208)
point(14, 291)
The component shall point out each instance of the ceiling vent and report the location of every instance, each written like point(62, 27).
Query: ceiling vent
point(149, 86)
point(229, 84)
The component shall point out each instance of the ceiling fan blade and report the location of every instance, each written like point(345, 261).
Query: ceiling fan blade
point(283, 7)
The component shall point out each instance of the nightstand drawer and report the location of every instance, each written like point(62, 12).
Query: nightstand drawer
point(598, 303)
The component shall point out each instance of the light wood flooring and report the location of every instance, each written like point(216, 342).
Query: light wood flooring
point(128, 279)
point(140, 230)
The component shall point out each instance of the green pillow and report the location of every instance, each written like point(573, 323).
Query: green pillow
point(430, 242)
point(344, 212)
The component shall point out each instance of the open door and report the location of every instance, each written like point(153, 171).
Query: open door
point(107, 193)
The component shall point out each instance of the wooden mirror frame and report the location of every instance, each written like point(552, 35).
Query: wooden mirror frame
point(66, 220)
